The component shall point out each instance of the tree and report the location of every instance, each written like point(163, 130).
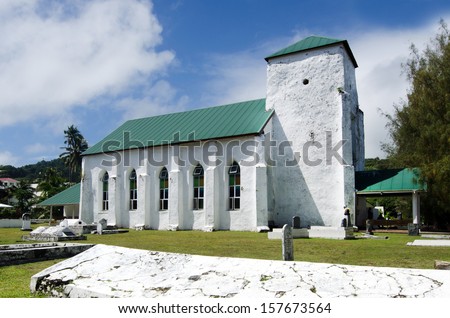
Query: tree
point(33, 171)
point(24, 194)
point(75, 145)
point(377, 164)
point(50, 183)
point(420, 126)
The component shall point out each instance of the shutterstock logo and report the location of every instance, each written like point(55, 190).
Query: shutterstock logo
point(263, 149)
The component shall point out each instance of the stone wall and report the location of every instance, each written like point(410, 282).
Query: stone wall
point(24, 253)
point(6, 223)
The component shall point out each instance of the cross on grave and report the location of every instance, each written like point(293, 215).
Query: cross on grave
point(287, 241)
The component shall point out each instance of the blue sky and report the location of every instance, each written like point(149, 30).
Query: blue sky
point(98, 63)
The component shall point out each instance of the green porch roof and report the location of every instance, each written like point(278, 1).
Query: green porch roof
point(310, 43)
point(391, 181)
point(67, 197)
point(245, 118)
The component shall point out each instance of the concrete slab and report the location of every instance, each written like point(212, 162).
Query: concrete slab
point(429, 243)
point(275, 234)
point(110, 271)
point(341, 233)
point(436, 236)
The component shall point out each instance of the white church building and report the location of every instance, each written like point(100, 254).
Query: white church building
point(244, 166)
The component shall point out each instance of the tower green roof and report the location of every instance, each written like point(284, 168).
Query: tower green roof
point(311, 43)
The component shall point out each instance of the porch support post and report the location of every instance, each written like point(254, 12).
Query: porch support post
point(416, 207)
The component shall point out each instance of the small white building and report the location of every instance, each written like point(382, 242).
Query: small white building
point(242, 166)
point(69, 199)
point(6, 183)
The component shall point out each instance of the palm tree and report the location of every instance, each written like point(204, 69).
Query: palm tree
point(75, 145)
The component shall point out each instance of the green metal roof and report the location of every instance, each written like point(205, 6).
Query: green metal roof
point(391, 181)
point(66, 197)
point(310, 43)
point(231, 120)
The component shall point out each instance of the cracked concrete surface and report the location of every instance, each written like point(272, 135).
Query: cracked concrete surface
point(111, 271)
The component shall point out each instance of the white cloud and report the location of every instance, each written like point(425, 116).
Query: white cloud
point(379, 54)
point(35, 148)
point(7, 158)
point(54, 58)
point(159, 98)
point(239, 77)
point(40, 149)
point(235, 77)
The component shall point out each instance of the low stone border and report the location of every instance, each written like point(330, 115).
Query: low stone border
point(25, 253)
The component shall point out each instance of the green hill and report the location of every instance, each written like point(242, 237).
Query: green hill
point(33, 171)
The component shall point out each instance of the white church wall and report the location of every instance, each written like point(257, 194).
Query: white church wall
point(360, 144)
point(212, 197)
point(304, 89)
point(353, 133)
point(193, 219)
point(86, 202)
point(180, 215)
point(242, 219)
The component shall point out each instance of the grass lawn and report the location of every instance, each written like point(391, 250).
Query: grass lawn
point(15, 280)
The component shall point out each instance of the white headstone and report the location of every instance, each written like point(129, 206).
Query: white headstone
point(26, 222)
point(99, 228)
point(64, 223)
point(103, 223)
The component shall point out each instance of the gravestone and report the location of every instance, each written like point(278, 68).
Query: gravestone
point(99, 229)
point(78, 227)
point(104, 223)
point(442, 265)
point(413, 229)
point(296, 222)
point(348, 222)
point(64, 223)
point(287, 240)
point(26, 222)
point(101, 226)
point(369, 227)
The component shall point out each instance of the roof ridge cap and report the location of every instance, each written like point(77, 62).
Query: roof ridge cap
point(195, 109)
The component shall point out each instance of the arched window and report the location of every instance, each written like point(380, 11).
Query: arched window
point(105, 196)
point(163, 189)
point(133, 190)
point(234, 177)
point(199, 181)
